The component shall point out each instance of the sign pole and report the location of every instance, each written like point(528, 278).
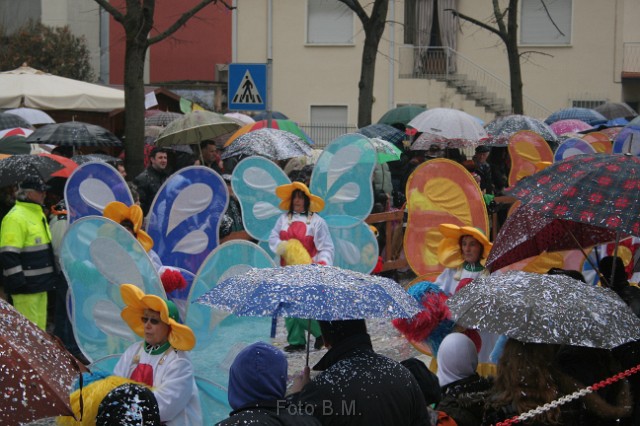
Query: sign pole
point(269, 79)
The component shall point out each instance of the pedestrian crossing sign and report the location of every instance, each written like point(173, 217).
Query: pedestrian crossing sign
point(247, 89)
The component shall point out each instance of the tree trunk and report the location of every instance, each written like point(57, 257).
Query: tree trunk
point(373, 30)
point(513, 55)
point(134, 111)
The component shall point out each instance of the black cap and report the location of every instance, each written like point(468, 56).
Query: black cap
point(483, 148)
point(35, 184)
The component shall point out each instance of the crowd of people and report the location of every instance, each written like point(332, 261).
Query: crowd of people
point(352, 384)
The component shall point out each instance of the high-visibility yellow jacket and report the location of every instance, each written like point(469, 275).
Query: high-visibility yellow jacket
point(26, 254)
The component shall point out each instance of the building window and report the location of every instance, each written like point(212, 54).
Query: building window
point(329, 22)
point(545, 22)
point(587, 103)
point(327, 123)
point(409, 21)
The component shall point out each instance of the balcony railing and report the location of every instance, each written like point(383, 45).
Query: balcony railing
point(446, 64)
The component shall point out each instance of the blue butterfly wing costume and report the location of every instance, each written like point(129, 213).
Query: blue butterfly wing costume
point(342, 177)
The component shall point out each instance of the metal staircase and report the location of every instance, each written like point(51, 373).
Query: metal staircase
point(466, 78)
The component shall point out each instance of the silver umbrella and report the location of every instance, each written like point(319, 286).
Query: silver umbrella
point(539, 308)
point(273, 144)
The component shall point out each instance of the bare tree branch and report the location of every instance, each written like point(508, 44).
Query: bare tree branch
point(478, 23)
point(117, 15)
point(546, 9)
point(357, 8)
point(184, 18)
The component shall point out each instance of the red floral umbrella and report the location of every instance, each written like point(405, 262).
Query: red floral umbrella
point(527, 233)
point(597, 189)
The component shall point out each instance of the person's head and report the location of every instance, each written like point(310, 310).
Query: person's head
point(209, 151)
point(129, 404)
point(155, 319)
point(335, 332)
point(576, 275)
point(298, 194)
point(525, 378)
point(33, 190)
point(615, 265)
point(258, 373)
point(427, 381)
point(120, 168)
point(462, 244)
point(457, 358)
point(159, 158)
point(482, 153)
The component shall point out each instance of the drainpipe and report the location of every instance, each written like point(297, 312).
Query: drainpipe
point(104, 46)
point(234, 32)
point(269, 60)
point(392, 52)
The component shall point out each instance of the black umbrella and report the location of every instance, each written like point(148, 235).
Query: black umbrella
point(14, 145)
point(104, 158)
point(74, 133)
point(10, 121)
point(17, 168)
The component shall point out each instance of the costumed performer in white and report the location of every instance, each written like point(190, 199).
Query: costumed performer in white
point(160, 361)
point(301, 236)
point(463, 252)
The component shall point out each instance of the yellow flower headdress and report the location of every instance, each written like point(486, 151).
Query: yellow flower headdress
point(119, 212)
point(449, 252)
point(284, 192)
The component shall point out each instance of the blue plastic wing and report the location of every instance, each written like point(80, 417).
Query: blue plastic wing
point(627, 141)
point(97, 256)
point(185, 217)
point(342, 177)
point(571, 147)
point(219, 335)
point(254, 182)
point(91, 187)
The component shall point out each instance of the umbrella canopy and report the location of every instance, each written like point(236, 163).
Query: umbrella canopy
point(33, 116)
point(68, 165)
point(103, 158)
point(20, 131)
point(402, 114)
point(596, 189)
point(613, 110)
point(449, 126)
point(75, 134)
point(562, 127)
point(36, 371)
point(196, 127)
point(287, 125)
point(241, 117)
point(587, 115)
point(382, 131)
point(275, 115)
point(273, 144)
point(10, 121)
point(527, 233)
point(385, 151)
point(553, 309)
point(501, 129)
point(17, 168)
point(627, 141)
point(14, 145)
point(319, 292)
point(162, 118)
point(29, 87)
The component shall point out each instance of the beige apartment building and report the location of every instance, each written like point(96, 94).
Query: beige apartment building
point(588, 53)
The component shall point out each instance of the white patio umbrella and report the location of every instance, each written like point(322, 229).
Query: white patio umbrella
point(29, 87)
point(449, 125)
point(33, 116)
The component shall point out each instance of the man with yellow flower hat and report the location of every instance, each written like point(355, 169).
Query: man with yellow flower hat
point(301, 236)
point(161, 360)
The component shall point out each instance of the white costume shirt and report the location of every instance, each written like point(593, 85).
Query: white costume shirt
point(173, 383)
point(316, 228)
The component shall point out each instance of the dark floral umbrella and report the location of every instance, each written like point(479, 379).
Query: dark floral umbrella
point(273, 144)
point(17, 168)
point(501, 129)
point(538, 308)
point(527, 233)
point(75, 134)
point(383, 131)
point(597, 189)
point(9, 121)
point(103, 158)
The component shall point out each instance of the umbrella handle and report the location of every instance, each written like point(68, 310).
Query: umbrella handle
point(575, 240)
point(308, 339)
